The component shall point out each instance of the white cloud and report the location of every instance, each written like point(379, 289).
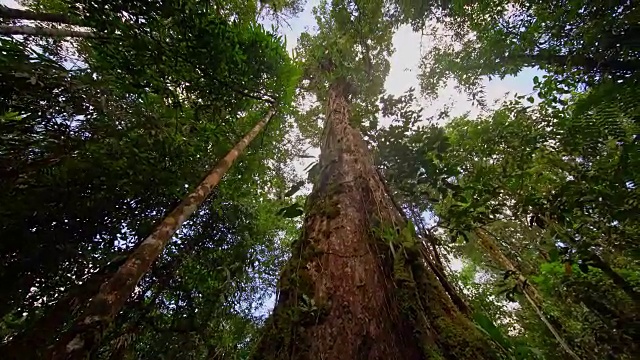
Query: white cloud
point(404, 72)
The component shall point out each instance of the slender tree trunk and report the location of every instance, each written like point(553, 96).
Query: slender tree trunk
point(555, 333)
point(84, 336)
point(460, 303)
point(345, 294)
point(488, 244)
point(41, 31)
point(530, 292)
point(19, 14)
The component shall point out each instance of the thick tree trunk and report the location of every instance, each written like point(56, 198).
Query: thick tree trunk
point(41, 31)
point(530, 292)
point(84, 336)
point(353, 288)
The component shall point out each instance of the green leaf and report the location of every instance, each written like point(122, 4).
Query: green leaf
point(291, 211)
point(583, 267)
point(294, 189)
point(484, 323)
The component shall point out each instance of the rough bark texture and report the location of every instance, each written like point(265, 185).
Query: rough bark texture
point(85, 334)
point(355, 288)
point(41, 31)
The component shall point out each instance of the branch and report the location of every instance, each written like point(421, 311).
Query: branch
point(18, 14)
point(585, 62)
point(555, 333)
point(236, 90)
point(41, 31)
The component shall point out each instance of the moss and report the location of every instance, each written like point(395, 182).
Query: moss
point(327, 205)
point(438, 327)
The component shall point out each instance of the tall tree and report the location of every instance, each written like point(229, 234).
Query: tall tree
point(85, 334)
point(357, 285)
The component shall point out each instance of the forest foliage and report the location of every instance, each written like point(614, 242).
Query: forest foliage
point(103, 130)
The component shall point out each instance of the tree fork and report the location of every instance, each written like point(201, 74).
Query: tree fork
point(84, 335)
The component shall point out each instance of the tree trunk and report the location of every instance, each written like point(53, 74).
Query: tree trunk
point(41, 31)
point(36, 338)
point(84, 336)
point(494, 252)
point(19, 14)
point(530, 292)
point(355, 287)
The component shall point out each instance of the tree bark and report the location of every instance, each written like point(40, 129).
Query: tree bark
point(345, 294)
point(84, 336)
point(35, 340)
point(19, 14)
point(530, 292)
point(41, 31)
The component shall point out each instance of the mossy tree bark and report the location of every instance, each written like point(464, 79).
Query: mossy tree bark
point(355, 287)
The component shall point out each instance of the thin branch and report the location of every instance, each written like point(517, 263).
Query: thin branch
point(555, 333)
point(41, 31)
point(18, 14)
